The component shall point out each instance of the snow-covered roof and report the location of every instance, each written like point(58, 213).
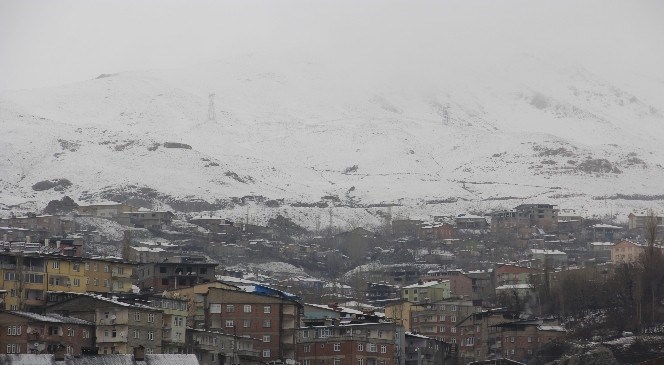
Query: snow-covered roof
point(606, 226)
point(52, 318)
point(601, 243)
point(148, 249)
point(551, 328)
point(423, 285)
point(546, 252)
point(515, 286)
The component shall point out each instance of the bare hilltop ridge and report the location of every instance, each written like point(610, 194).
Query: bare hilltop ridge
point(296, 132)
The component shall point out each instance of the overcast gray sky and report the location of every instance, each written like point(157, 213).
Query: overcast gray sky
point(44, 43)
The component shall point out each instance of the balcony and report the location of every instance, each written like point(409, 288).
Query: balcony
point(248, 353)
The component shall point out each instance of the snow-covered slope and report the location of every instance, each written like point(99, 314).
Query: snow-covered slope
point(298, 127)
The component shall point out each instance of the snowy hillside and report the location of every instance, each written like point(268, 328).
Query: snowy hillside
point(297, 127)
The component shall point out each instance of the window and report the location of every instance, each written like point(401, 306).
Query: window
point(137, 334)
point(266, 338)
point(360, 347)
point(247, 308)
point(95, 282)
point(114, 333)
point(34, 278)
point(71, 332)
point(337, 347)
point(454, 308)
point(13, 293)
point(10, 276)
point(53, 330)
point(453, 319)
point(87, 281)
point(87, 266)
point(178, 321)
point(470, 341)
point(307, 348)
point(337, 362)
point(13, 348)
point(150, 335)
point(360, 361)
point(13, 330)
point(305, 334)
point(512, 339)
point(230, 323)
point(267, 323)
point(107, 268)
point(137, 316)
point(120, 270)
point(77, 282)
point(95, 266)
point(86, 333)
point(149, 351)
point(162, 269)
point(383, 349)
point(106, 283)
point(452, 339)
point(371, 347)
point(266, 352)
point(150, 317)
point(307, 362)
point(453, 329)
point(246, 323)
point(55, 264)
point(530, 339)
point(229, 308)
point(442, 307)
point(266, 309)
point(442, 329)
point(215, 308)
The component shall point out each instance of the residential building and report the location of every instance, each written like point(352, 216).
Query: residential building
point(174, 273)
point(520, 339)
point(626, 252)
point(508, 274)
point(264, 313)
point(120, 327)
point(31, 333)
point(606, 232)
point(431, 291)
point(638, 220)
point(423, 350)
point(215, 347)
point(352, 344)
point(381, 291)
point(398, 311)
point(544, 216)
point(405, 227)
point(552, 258)
point(146, 219)
point(106, 209)
point(195, 297)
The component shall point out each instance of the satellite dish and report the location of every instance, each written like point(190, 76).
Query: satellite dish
point(113, 316)
point(36, 344)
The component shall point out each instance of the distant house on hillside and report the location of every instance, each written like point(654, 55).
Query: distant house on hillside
point(638, 220)
point(106, 209)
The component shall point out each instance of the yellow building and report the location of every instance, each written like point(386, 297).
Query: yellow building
point(28, 277)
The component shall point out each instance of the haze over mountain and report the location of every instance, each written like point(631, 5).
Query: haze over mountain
point(425, 111)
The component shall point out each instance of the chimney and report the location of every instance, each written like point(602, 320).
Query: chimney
point(139, 353)
point(57, 244)
point(60, 352)
point(46, 242)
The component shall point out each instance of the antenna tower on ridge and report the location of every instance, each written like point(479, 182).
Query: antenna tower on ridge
point(212, 116)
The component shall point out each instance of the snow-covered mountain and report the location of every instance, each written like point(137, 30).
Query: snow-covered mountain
point(299, 127)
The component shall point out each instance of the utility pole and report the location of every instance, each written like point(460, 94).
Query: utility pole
point(212, 115)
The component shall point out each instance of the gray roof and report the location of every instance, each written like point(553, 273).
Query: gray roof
point(51, 318)
point(49, 359)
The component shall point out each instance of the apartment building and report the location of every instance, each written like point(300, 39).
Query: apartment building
point(431, 291)
point(28, 276)
point(352, 344)
point(174, 273)
point(120, 327)
point(30, 333)
point(214, 347)
point(264, 313)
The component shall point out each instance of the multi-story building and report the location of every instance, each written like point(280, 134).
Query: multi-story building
point(431, 291)
point(264, 313)
point(105, 209)
point(195, 297)
point(120, 327)
point(352, 344)
point(440, 319)
point(423, 350)
point(30, 333)
point(41, 226)
point(174, 318)
point(398, 311)
point(146, 219)
point(381, 292)
point(175, 273)
point(544, 216)
point(214, 347)
point(626, 252)
point(639, 220)
point(507, 274)
point(28, 276)
point(519, 340)
point(550, 258)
